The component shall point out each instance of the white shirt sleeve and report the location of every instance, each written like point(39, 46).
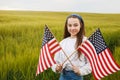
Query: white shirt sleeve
point(86, 69)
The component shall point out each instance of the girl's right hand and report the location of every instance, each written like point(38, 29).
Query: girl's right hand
point(58, 68)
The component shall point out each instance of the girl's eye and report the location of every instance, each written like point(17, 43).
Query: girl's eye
point(75, 25)
point(69, 25)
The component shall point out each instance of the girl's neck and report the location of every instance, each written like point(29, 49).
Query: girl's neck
point(72, 36)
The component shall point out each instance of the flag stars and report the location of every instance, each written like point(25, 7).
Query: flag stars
point(47, 36)
point(97, 40)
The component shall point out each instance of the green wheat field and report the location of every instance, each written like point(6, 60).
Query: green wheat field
point(21, 34)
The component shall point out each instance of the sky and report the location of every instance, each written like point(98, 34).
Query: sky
point(92, 6)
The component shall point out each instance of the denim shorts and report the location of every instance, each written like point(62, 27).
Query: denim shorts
point(70, 75)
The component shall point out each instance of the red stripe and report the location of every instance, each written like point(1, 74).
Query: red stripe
point(51, 56)
point(45, 54)
point(86, 54)
point(56, 51)
point(90, 56)
point(93, 65)
point(95, 57)
point(105, 63)
point(112, 57)
point(53, 59)
point(45, 61)
point(89, 60)
point(53, 47)
point(102, 65)
point(110, 61)
point(52, 41)
point(48, 58)
point(41, 61)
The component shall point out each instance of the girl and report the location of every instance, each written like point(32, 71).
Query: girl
point(77, 66)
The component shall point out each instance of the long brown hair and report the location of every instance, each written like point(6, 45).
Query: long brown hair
point(81, 32)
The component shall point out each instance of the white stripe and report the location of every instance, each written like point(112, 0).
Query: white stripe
point(97, 61)
point(54, 44)
point(91, 60)
point(43, 59)
point(56, 48)
point(99, 64)
point(46, 60)
point(92, 63)
point(104, 64)
point(112, 60)
point(106, 59)
point(40, 61)
point(51, 41)
point(49, 56)
point(95, 56)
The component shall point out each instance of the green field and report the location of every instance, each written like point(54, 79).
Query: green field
point(21, 35)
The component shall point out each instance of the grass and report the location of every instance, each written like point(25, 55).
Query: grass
point(21, 35)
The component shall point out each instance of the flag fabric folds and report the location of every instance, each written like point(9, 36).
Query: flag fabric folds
point(49, 47)
point(99, 56)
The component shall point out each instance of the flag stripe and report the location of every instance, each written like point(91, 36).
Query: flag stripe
point(104, 64)
point(53, 46)
point(117, 67)
point(89, 53)
point(109, 62)
point(95, 59)
point(41, 65)
point(43, 62)
point(46, 58)
point(84, 51)
point(52, 41)
point(49, 55)
point(112, 61)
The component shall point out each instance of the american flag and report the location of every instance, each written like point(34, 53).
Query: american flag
point(99, 56)
point(49, 47)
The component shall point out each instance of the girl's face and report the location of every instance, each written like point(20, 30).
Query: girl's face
point(73, 26)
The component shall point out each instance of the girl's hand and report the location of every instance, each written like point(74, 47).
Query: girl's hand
point(58, 68)
point(76, 69)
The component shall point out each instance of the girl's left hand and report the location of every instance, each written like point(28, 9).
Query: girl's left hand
point(76, 69)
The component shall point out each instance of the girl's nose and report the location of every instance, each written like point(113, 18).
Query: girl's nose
point(72, 27)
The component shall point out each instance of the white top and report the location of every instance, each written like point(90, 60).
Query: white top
point(68, 45)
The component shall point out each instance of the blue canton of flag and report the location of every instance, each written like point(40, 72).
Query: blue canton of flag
point(98, 42)
point(47, 36)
